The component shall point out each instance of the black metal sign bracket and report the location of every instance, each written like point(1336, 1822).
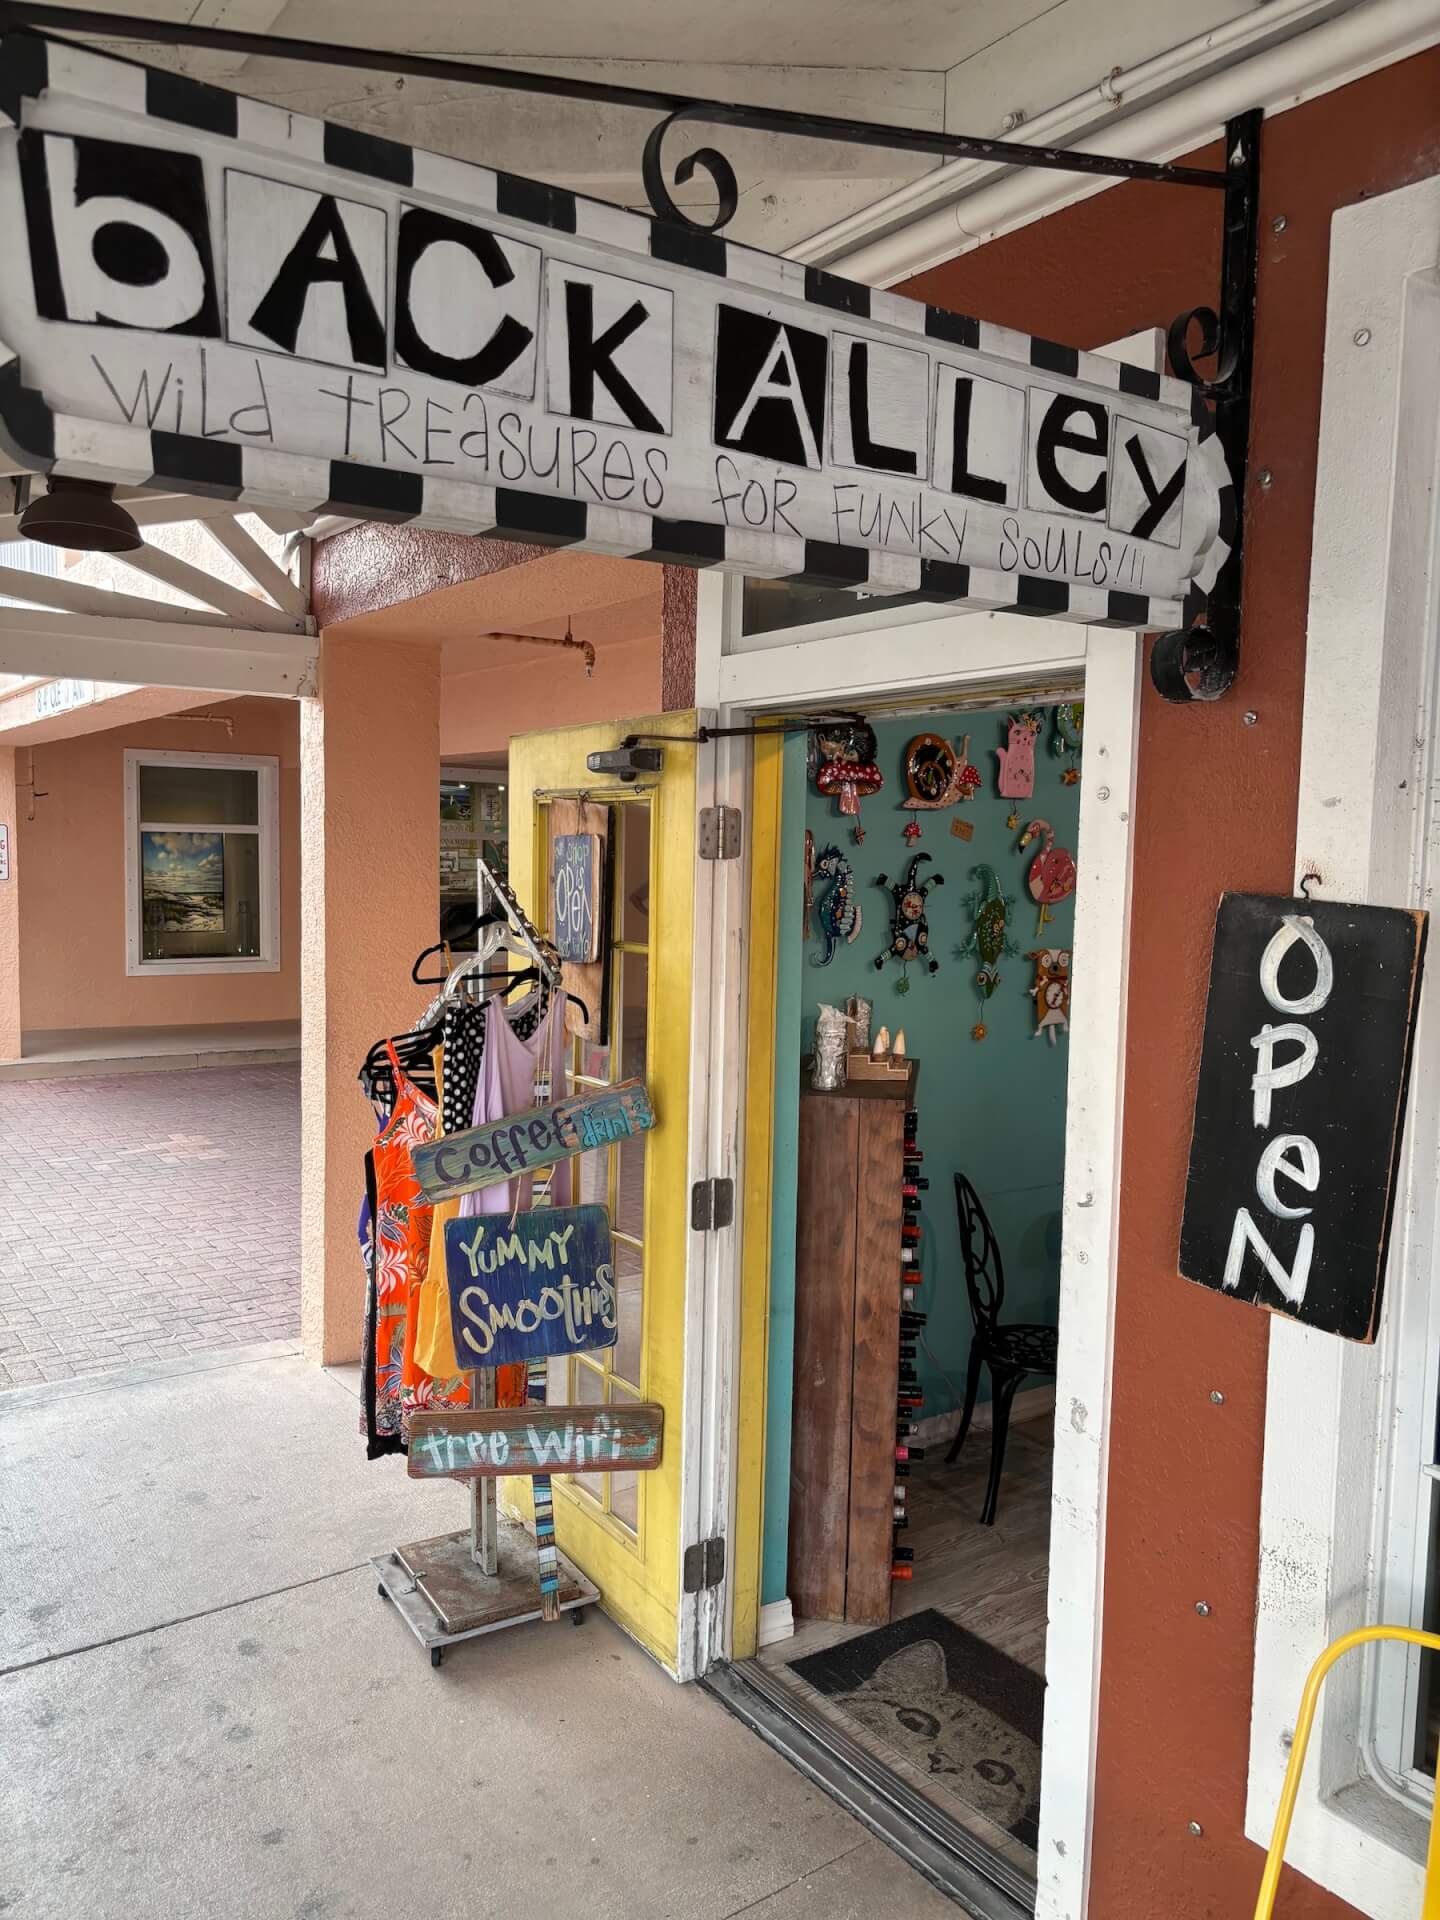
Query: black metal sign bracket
point(1200, 662)
point(1197, 662)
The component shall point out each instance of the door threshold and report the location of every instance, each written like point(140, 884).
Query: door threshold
point(979, 1882)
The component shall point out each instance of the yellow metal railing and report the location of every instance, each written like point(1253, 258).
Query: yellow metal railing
point(1285, 1812)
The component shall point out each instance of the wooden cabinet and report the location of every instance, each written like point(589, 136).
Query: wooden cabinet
point(847, 1350)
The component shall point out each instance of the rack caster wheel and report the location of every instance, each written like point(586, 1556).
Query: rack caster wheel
point(382, 1589)
point(437, 1654)
point(577, 1616)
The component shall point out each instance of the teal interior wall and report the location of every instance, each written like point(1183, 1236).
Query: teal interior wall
point(781, 1348)
point(992, 1109)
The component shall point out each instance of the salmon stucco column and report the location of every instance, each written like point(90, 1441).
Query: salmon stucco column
point(370, 857)
point(9, 915)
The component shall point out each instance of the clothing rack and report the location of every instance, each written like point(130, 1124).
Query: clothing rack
point(457, 1586)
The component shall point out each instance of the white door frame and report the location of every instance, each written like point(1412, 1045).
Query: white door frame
point(943, 656)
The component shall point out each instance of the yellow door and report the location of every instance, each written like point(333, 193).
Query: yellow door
point(623, 1529)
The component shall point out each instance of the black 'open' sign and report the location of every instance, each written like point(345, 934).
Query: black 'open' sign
point(1300, 1104)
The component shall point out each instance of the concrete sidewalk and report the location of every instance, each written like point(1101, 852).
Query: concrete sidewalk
point(208, 1710)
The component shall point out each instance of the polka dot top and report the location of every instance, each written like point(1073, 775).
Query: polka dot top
point(463, 1034)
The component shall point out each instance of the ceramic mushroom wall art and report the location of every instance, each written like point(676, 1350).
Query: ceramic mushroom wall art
point(1017, 760)
point(1052, 872)
point(848, 768)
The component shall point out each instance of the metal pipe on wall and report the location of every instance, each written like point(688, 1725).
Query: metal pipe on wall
point(1340, 49)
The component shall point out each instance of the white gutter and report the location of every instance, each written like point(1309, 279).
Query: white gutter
point(905, 233)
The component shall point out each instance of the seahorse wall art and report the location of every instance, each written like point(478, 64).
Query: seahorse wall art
point(839, 911)
point(988, 938)
point(1017, 761)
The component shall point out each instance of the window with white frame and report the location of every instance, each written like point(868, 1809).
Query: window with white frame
point(201, 863)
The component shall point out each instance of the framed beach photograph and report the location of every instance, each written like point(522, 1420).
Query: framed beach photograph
point(182, 879)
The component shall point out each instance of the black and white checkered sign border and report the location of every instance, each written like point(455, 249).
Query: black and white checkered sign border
point(255, 477)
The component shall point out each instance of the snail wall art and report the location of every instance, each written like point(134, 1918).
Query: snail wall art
point(937, 775)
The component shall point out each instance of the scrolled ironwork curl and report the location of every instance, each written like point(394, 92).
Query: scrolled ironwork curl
point(707, 159)
point(1212, 341)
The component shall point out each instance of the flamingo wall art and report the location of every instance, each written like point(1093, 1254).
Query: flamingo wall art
point(1052, 871)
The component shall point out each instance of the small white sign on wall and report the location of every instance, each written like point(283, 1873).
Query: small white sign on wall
point(4, 850)
point(59, 696)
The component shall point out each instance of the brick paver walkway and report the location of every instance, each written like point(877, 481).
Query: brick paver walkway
point(146, 1217)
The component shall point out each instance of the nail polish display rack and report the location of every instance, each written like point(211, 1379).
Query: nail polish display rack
point(909, 1399)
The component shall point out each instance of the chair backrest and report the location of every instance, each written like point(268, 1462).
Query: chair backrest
point(984, 1272)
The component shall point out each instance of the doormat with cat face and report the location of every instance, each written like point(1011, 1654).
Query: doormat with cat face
point(959, 1710)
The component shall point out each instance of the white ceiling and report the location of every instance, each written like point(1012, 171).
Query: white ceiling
point(923, 63)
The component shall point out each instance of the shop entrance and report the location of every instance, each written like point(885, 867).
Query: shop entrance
point(924, 982)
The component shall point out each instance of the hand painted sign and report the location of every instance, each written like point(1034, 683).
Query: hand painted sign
point(522, 1289)
point(476, 1444)
point(1299, 1107)
point(579, 900)
point(208, 292)
point(575, 896)
point(484, 1156)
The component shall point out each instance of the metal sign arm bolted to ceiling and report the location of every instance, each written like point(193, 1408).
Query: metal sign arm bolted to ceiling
point(643, 387)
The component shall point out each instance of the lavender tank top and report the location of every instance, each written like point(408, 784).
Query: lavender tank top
point(516, 1075)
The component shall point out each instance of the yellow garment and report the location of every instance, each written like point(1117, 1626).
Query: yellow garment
point(434, 1341)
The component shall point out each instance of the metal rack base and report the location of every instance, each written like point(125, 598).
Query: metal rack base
point(443, 1597)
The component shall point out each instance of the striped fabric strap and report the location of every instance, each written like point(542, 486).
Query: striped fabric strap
point(549, 1564)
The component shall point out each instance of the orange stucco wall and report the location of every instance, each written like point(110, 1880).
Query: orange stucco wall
point(1215, 809)
point(72, 881)
point(479, 712)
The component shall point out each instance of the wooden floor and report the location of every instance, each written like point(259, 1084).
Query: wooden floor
point(990, 1580)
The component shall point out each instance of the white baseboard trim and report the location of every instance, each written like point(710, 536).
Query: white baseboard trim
point(939, 1429)
point(777, 1622)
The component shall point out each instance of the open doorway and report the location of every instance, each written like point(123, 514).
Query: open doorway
point(923, 1267)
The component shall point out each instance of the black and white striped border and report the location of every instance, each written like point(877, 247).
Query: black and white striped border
point(257, 477)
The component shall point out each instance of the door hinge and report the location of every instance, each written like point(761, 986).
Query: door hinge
point(719, 834)
point(712, 1205)
point(704, 1565)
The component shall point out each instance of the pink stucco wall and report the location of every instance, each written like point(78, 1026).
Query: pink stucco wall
point(374, 567)
point(9, 916)
point(71, 870)
point(371, 888)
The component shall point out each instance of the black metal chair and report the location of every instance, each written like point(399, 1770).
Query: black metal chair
point(1012, 1352)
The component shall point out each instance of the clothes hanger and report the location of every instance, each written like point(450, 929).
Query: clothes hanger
point(493, 916)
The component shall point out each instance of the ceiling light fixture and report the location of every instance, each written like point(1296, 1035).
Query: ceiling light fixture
point(83, 515)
